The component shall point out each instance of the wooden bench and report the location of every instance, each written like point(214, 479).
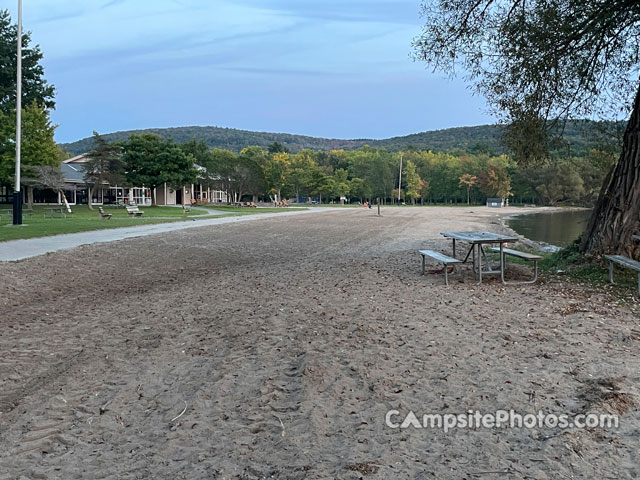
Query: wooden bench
point(134, 211)
point(440, 258)
point(625, 262)
point(104, 216)
point(529, 257)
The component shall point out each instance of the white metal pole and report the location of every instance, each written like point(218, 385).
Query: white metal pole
point(17, 200)
point(19, 98)
point(400, 179)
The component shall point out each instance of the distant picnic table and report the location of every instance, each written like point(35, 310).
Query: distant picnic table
point(58, 212)
point(477, 239)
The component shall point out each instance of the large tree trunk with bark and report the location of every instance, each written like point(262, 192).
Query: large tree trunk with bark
point(90, 197)
point(30, 197)
point(616, 216)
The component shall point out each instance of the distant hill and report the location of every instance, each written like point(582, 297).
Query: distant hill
point(579, 134)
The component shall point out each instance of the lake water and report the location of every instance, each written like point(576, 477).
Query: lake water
point(558, 228)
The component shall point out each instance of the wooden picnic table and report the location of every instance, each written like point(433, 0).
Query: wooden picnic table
point(56, 212)
point(477, 239)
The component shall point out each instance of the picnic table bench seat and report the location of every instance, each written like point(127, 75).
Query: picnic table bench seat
point(625, 262)
point(529, 257)
point(440, 257)
point(134, 211)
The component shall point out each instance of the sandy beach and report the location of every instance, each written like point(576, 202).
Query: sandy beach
point(275, 348)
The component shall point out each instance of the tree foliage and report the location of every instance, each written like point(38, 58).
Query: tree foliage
point(34, 86)
point(370, 173)
point(104, 164)
point(580, 137)
point(38, 145)
point(537, 61)
point(150, 161)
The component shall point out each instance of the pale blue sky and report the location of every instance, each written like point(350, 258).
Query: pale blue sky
point(327, 68)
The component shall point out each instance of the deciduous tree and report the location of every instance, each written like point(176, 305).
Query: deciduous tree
point(38, 145)
point(151, 161)
point(467, 180)
point(539, 62)
point(414, 182)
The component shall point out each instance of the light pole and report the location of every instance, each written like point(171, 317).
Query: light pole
point(17, 194)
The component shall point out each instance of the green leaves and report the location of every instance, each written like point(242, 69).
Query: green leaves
point(38, 145)
point(104, 162)
point(150, 161)
point(34, 87)
point(537, 61)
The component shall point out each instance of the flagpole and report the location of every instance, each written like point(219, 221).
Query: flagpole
point(17, 194)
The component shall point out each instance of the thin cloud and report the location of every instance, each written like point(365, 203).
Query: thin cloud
point(394, 12)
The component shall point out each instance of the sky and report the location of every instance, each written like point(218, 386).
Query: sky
point(331, 68)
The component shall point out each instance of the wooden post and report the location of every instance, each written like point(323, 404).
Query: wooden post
point(379, 209)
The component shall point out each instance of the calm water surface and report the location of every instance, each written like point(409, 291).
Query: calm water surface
point(558, 228)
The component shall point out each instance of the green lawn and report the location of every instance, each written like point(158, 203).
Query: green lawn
point(39, 224)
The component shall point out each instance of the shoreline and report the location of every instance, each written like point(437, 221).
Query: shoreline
point(539, 245)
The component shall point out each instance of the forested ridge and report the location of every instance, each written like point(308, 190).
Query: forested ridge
point(579, 136)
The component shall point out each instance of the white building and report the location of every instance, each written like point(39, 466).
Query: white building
point(78, 190)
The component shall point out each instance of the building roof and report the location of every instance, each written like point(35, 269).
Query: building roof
point(72, 173)
point(77, 159)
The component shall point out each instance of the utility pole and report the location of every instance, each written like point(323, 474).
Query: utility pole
point(400, 180)
point(17, 194)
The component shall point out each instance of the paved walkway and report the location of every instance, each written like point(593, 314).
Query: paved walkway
point(32, 247)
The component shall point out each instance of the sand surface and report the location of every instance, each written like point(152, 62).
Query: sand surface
point(274, 349)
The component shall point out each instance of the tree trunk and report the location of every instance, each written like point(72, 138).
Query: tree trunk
point(30, 197)
point(90, 197)
point(616, 216)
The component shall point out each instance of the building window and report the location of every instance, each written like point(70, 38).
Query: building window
point(45, 196)
point(6, 194)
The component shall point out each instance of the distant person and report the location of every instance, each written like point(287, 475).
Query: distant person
point(365, 204)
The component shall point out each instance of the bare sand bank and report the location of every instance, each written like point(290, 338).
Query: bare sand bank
point(274, 349)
